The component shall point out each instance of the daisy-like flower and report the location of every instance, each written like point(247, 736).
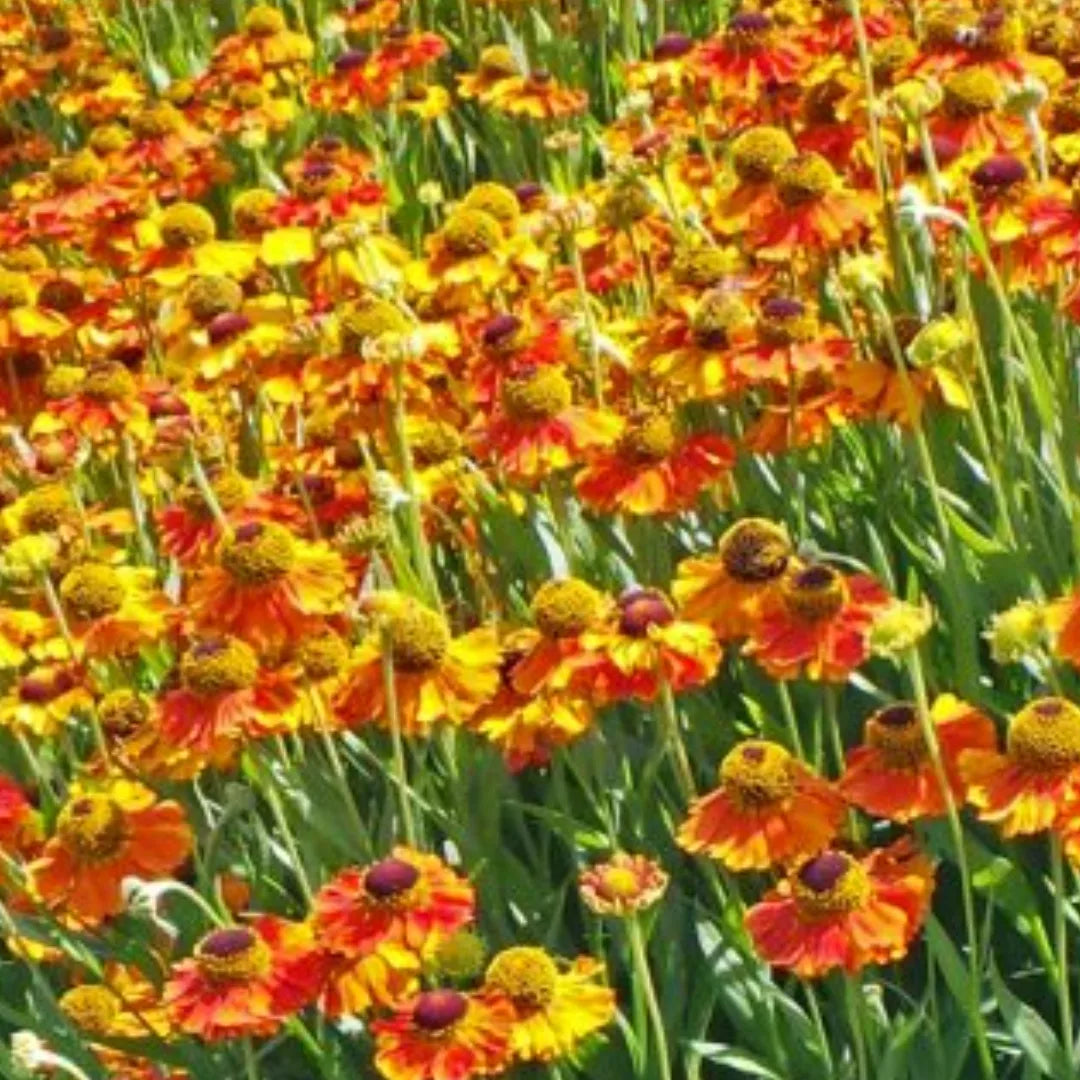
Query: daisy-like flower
point(728, 588)
point(536, 429)
point(528, 726)
point(622, 885)
point(103, 834)
point(891, 774)
point(818, 624)
point(245, 980)
point(1062, 619)
point(652, 470)
point(752, 53)
point(378, 922)
point(837, 911)
point(1022, 790)
point(268, 587)
point(444, 1035)
point(112, 611)
point(555, 1006)
point(645, 645)
point(770, 808)
point(436, 676)
point(44, 699)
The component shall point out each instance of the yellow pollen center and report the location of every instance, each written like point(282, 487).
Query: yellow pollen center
point(564, 609)
point(110, 382)
point(758, 153)
point(494, 199)
point(92, 591)
point(896, 734)
point(211, 295)
point(121, 712)
point(497, 62)
point(538, 395)
point(233, 955)
point(718, 316)
point(419, 637)
point(757, 773)
point(832, 883)
point(322, 655)
point(460, 956)
point(526, 975)
point(701, 268)
point(219, 667)
point(755, 551)
point(1044, 736)
point(779, 328)
point(471, 232)
point(972, 91)
point(46, 508)
point(369, 322)
point(618, 883)
point(259, 555)
point(93, 827)
point(813, 593)
point(804, 179)
point(186, 225)
point(650, 440)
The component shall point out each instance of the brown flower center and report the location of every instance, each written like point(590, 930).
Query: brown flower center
point(755, 551)
point(93, 827)
point(757, 774)
point(1044, 736)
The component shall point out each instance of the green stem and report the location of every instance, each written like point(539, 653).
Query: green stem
point(852, 995)
point(393, 718)
point(1061, 944)
point(652, 1002)
point(673, 737)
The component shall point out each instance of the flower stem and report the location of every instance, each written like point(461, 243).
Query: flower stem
point(1061, 944)
point(393, 719)
point(956, 830)
point(652, 1002)
point(673, 736)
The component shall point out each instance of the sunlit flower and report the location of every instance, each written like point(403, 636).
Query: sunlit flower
point(622, 885)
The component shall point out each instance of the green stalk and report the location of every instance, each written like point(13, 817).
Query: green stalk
point(648, 987)
point(393, 718)
point(1061, 944)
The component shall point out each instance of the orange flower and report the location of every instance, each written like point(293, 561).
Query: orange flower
point(1022, 790)
point(444, 1035)
point(836, 911)
point(622, 885)
point(376, 922)
point(749, 57)
point(1063, 619)
point(554, 1007)
point(652, 471)
point(105, 833)
point(770, 808)
point(727, 589)
point(20, 824)
point(536, 429)
point(436, 677)
point(891, 774)
point(818, 625)
point(245, 980)
point(646, 646)
point(268, 587)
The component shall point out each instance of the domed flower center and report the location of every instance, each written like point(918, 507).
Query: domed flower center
point(1044, 736)
point(92, 591)
point(832, 883)
point(92, 1009)
point(755, 551)
point(804, 179)
point(259, 554)
point(501, 332)
point(419, 637)
point(436, 1010)
point(460, 956)
point(80, 169)
point(718, 317)
point(322, 655)
point(896, 734)
point(618, 883)
point(671, 46)
point(470, 232)
point(46, 508)
point(351, 60)
point(390, 879)
point(565, 609)
point(891, 56)
point(434, 442)
point(759, 152)
point(219, 666)
point(213, 295)
point(93, 828)
point(226, 326)
point(641, 609)
point(230, 490)
point(264, 21)
point(972, 91)
point(43, 687)
point(748, 30)
point(497, 62)
point(61, 294)
point(526, 975)
point(786, 321)
point(814, 592)
point(494, 199)
point(186, 225)
point(998, 174)
point(235, 954)
point(649, 439)
point(535, 395)
point(14, 289)
point(757, 774)
point(157, 121)
point(701, 267)
point(110, 382)
point(122, 712)
point(370, 322)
